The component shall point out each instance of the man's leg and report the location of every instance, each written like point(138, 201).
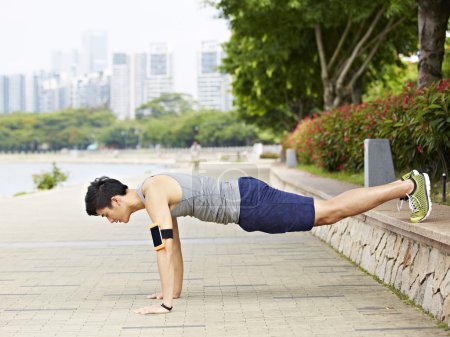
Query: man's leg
point(358, 200)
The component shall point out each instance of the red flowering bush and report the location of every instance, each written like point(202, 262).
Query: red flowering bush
point(417, 123)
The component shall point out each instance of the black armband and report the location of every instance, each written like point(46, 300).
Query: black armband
point(160, 236)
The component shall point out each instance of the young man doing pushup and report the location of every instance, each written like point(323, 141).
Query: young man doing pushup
point(248, 202)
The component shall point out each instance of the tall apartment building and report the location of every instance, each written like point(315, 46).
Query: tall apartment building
point(16, 93)
point(95, 51)
point(121, 103)
point(4, 95)
point(159, 71)
point(68, 62)
point(140, 79)
point(213, 86)
point(53, 92)
point(90, 90)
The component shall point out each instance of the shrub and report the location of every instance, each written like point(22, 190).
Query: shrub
point(48, 180)
point(417, 123)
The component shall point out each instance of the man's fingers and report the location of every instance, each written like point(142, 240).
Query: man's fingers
point(155, 296)
point(151, 310)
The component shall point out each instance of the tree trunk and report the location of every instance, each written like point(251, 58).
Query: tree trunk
point(433, 20)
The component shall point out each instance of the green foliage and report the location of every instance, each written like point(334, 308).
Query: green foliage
point(54, 131)
point(49, 180)
point(273, 57)
point(417, 123)
point(210, 128)
point(121, 135)
point(167, 104)
point(392, 80)
point(77, 129)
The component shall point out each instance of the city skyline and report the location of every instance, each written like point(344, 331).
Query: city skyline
point(50, 26)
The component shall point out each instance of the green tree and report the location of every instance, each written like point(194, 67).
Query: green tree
point(166, 104)
point(290, 57)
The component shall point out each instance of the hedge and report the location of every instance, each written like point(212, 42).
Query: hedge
point(417, 123)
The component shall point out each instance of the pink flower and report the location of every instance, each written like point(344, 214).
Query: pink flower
point(419, 148)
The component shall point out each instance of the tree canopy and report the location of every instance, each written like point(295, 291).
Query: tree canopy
point(288, 58)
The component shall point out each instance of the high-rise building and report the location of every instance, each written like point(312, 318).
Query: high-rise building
point(121, 86)
point(90, 91)
point(213, 86)
point(4, 95)
point(16, 92)
point(53, 92)
point(159, 71)
point(95, 51)
point(68, 62)
point(140, 79)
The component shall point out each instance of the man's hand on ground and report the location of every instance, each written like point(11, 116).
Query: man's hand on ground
point(158, 296)
point(153, 309)
point(155, 296)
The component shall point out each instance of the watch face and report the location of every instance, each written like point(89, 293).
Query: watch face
point(156, 236)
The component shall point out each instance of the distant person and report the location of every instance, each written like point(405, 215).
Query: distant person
point(195, 151)
point(248, 202)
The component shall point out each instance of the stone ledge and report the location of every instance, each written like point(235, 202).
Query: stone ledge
point(435, 231)
point(413, 258)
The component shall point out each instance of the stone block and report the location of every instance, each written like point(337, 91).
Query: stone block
point(445, 316)
point(390, 244)
point(381, 249)
point(399, 262)
point(291, 158)
point(428, 295)
point(420, 266)
point(436, 305)
point(365, 258)
point(381, 268)
point(405, 286)
point(410, 254)
point(388, 272)
point(416, 292)
point(445, 285)
point(378, 164)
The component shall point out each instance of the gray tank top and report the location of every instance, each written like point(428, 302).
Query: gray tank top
point(205, 198)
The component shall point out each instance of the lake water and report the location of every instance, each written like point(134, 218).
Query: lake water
point(17, 177)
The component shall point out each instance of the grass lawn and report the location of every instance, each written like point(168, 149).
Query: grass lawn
point(358, 179)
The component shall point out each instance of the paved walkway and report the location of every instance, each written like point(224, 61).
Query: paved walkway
point(65, 274)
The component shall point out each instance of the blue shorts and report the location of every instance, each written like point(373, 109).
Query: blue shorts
point(269, 210)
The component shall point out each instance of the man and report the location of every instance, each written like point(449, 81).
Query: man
point(249, 202)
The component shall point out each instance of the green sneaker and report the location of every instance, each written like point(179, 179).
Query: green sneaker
point(409, 175)
point(406, 177)
point(419, 198)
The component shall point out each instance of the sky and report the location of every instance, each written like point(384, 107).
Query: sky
point(31, 29)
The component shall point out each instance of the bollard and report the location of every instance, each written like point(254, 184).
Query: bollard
point(444, 187)
point(291, 158)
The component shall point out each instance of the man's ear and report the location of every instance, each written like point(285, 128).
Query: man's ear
point(116, 199)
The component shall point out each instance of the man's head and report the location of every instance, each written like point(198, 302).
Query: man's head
point(106, 197)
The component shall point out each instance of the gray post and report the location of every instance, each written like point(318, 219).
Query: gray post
point(378, 164)
point(291, 158)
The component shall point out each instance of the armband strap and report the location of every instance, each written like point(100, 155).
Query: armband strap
point(166, 307)
point(160, 236)
point(167, 233)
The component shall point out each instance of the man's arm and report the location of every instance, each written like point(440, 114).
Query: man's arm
point(157, 206)
point(178, 264)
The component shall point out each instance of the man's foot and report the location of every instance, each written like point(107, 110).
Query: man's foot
point(406, 177)
point(419, 198)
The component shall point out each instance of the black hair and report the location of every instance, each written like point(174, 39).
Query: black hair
point(100, 192)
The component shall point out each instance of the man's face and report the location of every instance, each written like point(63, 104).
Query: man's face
point(117, 213)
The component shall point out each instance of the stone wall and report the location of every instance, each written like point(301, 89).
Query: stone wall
point(418, 269)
